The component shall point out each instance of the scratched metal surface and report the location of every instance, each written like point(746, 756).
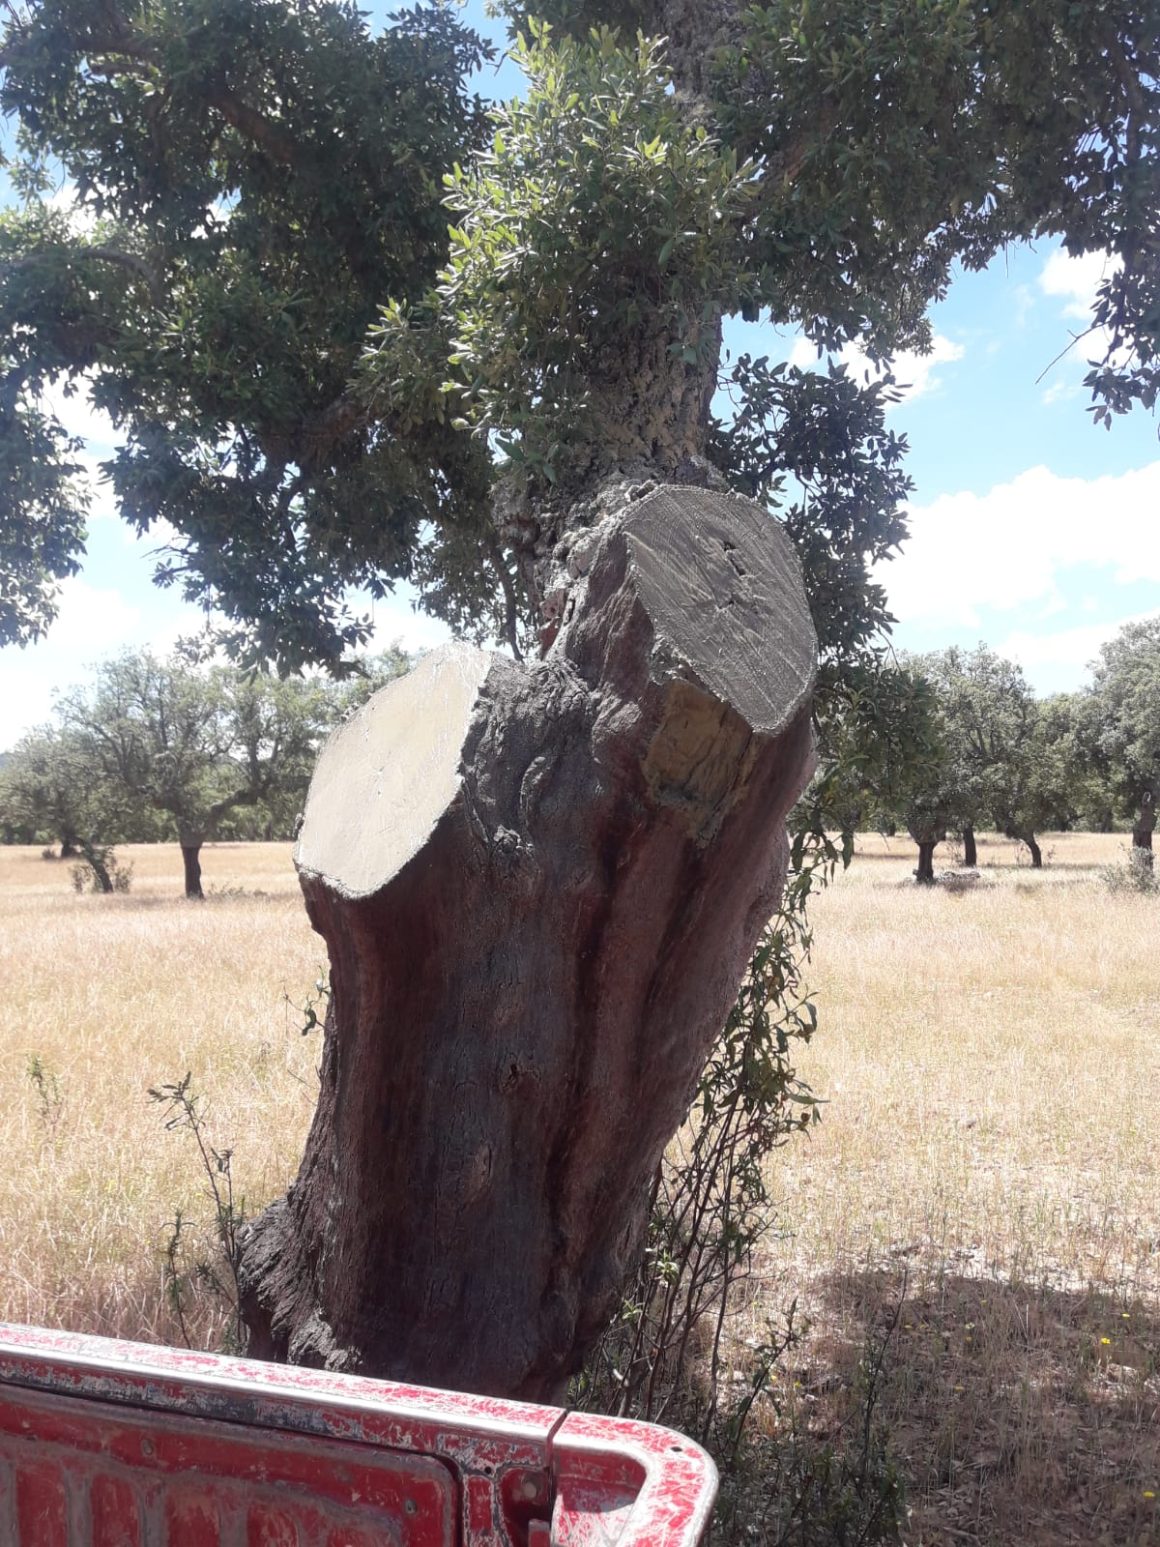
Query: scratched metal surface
point(111, 1444)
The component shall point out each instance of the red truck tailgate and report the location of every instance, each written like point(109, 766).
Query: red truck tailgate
point(110, 1444)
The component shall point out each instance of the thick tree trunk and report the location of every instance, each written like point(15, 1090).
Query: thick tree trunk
point(924, 875)
point(970, 851)
point(191, 860)
point(1025, 836)
point(539, 887)
point(68, 846)
point(97, 859)
point(1143, 828)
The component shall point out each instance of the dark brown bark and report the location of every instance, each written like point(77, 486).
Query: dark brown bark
point(924, 875)
point(96, 858)
point(1024, 835)
point(191, 860)
point(970, 850)
point(68, 846)
point(1143, 828)
point(525, 985)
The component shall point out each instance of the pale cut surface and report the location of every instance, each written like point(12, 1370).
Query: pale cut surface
point(722, 587)
point(385, 778)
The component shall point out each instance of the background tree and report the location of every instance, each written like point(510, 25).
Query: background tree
point(991, 729)
point(879, 741)
point(1120, 726)
point(51, 787)
point(195, 742)
point(43, 791)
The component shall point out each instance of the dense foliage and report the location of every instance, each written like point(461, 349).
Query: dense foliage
point(314, 361)
point(1120, 727)
point(955, 740)
point(250, 182)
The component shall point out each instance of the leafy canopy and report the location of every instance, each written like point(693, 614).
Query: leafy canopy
point(252, 181)
point(315, 358)
point(1120, 719)
point(194, 742)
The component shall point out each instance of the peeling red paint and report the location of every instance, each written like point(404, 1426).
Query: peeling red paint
point(113, 1444)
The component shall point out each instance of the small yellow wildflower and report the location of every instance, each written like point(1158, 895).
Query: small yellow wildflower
point(1106, 1342)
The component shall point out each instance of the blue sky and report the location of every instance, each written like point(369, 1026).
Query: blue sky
point(1031, 529)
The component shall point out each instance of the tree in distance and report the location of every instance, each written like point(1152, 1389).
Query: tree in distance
point(880, 744)
point(42, 792)
point(1119, 727)
point(50, 788)
point(193, 743)
point(1006, 767)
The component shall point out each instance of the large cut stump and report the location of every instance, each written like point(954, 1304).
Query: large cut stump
point(539, 887)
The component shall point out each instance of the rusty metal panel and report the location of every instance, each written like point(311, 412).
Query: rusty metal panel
point(110, 1444)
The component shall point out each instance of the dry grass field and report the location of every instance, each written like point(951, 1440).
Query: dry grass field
point(985, 1179)
point(987, 1172)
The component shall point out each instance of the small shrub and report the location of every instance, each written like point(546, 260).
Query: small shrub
point(99, 870)
point(785, 1482)
point(1137, 875)
point(49, 1096)
point(184, 1111)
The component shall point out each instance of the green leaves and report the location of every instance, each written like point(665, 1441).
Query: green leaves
point(596, 205)
point(254, 178)
point(42, 511)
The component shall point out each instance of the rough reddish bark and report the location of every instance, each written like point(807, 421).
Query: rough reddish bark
point(539, 887)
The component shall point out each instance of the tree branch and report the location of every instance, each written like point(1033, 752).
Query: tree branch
point(511, 611)
point(255, 126)
point(126, 260)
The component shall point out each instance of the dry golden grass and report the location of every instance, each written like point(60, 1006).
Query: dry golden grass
point(988, 1155)
point(117, 994)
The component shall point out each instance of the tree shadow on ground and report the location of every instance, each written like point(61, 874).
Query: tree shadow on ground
point(1016, 1413)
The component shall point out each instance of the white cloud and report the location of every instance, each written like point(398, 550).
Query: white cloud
point(1061, 391)
point(92, 623)
point(1006, 549)
point(1076, 280)
point(914, 372)
point(1064, 655)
